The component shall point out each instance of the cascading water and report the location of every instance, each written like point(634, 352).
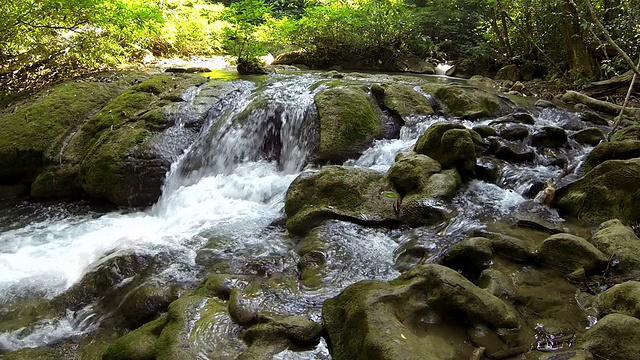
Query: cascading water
point(222, 196)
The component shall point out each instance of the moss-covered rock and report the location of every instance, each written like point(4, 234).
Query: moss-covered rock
point(113, 149)
point(277, 334)
point(33, 354)
point(34, 131)
point(411, 172)
point(614, 337)
point(348, 123)
point(336, 192)
point(621, 299)
point(452, 145)
point(614, 238)
point(498, 284)
point(568, 253)
point(404, 100)
point(627, 133)
point(139, 344)
point(615, 150)
point(590, 136)
point(469, 102)
point(377, 320)
point(608, 191)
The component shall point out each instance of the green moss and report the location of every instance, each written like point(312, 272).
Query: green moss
point(34, 130)
point(468, 102)
point(451, 144)
point(338, 193)
point(404, 100)
point(32, 354)
point(607, 191)
point(173, 342)
point(139, 344)
point(618, 150)
point(348, 123)
point(60, 182)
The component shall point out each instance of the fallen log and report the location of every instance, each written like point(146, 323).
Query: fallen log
point(599, 105)
point(617, 85)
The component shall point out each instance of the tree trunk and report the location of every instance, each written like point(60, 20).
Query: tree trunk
point(580, 61)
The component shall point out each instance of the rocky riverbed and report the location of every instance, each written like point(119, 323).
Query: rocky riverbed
point(317, 215)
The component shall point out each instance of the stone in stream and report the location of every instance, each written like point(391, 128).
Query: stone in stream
point(517, 118)
point(622, 299)
point(590, 136)
point(343, 193)
point(511, 151)
point(469, 102)
point(627, 133)
point(549, 137)
point(485, 130)
point(605, 192)
point(348, 124)
point(544, 104)
point(498, 284)
point(615, 150)
point(404, 100)
point(373, 319)
point(452, 145)
point(614, 337)
point(488, 169)
point(614, 238)
point(512, 131)
point(568, 253)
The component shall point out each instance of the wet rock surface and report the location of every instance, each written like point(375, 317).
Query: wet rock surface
point(440, 244)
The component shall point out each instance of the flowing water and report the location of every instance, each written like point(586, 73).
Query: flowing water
point(230, 186)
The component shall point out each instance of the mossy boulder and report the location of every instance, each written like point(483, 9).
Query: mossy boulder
point(627, 133)
point(176, 335)
point(614, 238)
point(139, 344)
point(508, 72)
point(452, 145)
point(469, 102)
point(568, 253)
point(614, 337)
point(615, 150)
point(378, 320)
point(34, 130)
point(404, 100)
point(114, 150)
point(336, 192)
point(608, 191)
point(622, 299)
point(277, 334)
point(348, 123)
point(590, 136)
point(411, 172)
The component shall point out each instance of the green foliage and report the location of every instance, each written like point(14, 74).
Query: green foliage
point(240, 37)
point(354, 30)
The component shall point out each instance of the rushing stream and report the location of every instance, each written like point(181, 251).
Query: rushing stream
point(230, 185)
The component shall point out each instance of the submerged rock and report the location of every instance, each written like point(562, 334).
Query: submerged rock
point(603, 193)
point(348, 124)
point(373, 319)
point(614, 337)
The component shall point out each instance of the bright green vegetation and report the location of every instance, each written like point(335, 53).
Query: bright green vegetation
point(45, 41)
